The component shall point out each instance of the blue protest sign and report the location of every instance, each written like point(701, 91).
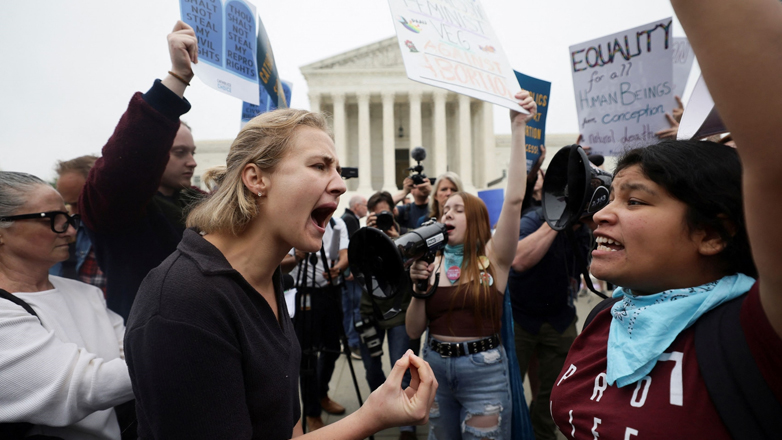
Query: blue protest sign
point(250, 111)
point(226, 45)
point(536, 128)
point(268, 71)
point(493, 199)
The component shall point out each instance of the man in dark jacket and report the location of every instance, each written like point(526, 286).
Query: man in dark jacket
point(135, 199)
point(351, 294)
point(543, 281)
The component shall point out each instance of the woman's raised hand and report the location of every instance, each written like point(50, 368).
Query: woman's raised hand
point(525, 101)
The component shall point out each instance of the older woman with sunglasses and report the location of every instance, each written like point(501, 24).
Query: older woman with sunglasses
point(61, 355)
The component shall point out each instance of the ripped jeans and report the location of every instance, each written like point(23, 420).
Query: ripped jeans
point(470, 386)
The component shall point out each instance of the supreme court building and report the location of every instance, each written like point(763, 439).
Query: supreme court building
point(378, 115)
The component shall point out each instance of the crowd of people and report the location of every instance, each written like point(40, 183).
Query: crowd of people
point(134, 305)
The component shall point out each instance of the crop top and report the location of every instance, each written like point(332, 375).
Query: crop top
point(461, 322)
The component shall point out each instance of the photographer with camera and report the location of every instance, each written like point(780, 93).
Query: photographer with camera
point(373, 331)
point(317, 276)
point(420, 187)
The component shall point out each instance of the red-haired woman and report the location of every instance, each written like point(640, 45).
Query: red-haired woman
point(463, 315)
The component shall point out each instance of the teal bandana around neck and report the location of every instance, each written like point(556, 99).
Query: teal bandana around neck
point(644, 326)
point(453, 256)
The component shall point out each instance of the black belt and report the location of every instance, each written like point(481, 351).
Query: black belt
point(451, 349)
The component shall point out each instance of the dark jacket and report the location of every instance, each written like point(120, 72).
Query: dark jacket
point(544, 293)
point(206, 355)
point(351, 221)
point(134, 228)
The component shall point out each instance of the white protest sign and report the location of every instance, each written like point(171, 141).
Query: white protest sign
point(683, 57)
point(450, 44)
point(226, 35)
point(700, 118)
point(623, 86)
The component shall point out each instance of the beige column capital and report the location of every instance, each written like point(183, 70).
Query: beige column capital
point(440, 148)
point(465, 143)
point(364, 147)
point(389, 153)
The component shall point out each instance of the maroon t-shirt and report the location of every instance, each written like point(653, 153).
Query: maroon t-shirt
point(672, 402)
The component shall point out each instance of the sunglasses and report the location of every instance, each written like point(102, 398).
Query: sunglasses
point(60, 220)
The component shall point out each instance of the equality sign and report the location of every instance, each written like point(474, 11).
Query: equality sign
point(535, 133)
point(623, 86)
point(226, 45)
point(267, 104)
point(450, 44)
point(683, 57)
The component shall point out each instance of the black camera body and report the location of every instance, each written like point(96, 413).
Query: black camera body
point(365, 327)
point(418, 154)
point(384, 221)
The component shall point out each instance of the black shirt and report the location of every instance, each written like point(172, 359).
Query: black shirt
point(544, 292)
point(351, 221)
point(207, 357)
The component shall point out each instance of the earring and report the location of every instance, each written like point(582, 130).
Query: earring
point(260, 194)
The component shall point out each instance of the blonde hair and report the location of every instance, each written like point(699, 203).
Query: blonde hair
point(264, 141)
point(434, 208)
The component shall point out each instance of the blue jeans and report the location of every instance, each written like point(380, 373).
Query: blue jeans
point(351, 300)
point(469, 386)
point(398, 344)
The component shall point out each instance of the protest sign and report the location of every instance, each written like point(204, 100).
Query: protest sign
point(450, 44)
point(683, 57)
point(535, 133)
point(226, 45)
point(623, 86)
point(268, 71)
point(700, 118)
point(267, 104)
point(493, 199)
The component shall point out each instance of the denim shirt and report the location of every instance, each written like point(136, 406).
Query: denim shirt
point(83, 245)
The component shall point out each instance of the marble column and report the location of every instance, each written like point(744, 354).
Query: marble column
point(492, 169)
point(364, 147)
point(465, 143)
point(389, 153)
point(340, 136)
point(416, 138)
point(440, 148)
point(315, 102)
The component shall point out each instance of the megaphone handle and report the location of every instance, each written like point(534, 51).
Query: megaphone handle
point(425, 283)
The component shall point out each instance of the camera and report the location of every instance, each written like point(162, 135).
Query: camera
point(349, 172)
point(385, 220)
point(418, 154)
point(368, 334)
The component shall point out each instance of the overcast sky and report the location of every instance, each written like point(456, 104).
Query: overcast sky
point(70, 67)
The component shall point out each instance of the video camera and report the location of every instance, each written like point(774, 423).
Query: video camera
point(349, 172)
point(419, 154)
point(573, 188)
point(380, 264)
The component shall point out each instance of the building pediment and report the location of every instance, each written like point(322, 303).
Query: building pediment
point(383, 55)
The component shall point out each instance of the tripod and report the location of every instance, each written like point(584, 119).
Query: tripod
point(319, 306)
